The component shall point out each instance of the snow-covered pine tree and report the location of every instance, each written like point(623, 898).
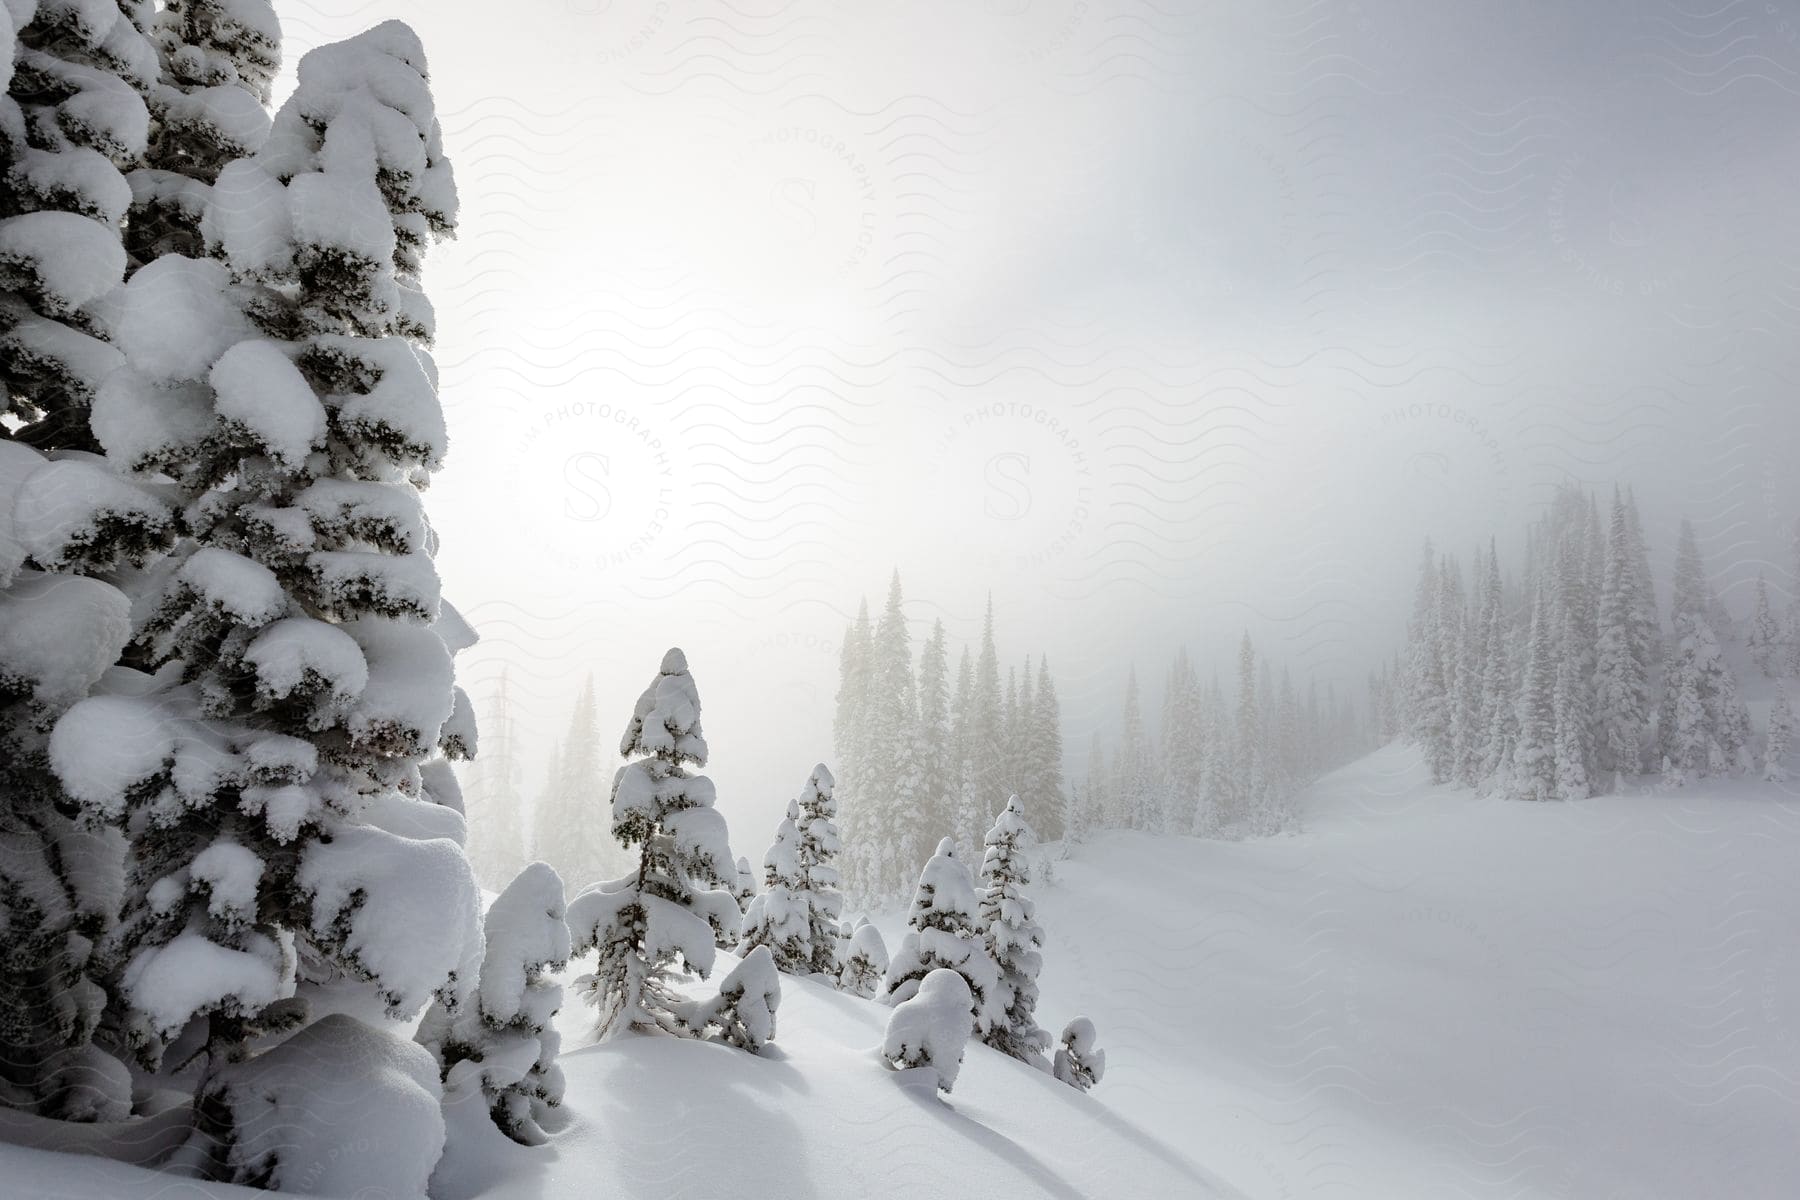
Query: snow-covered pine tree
point(1572, 699)
point(1499, 710)
point(1468, 733)
point(966, 823)
point(493, 795)
point(660, 921)
point(743, 1013)
point(572, 830)
point(1047, 752)
point(1704, 727)
point(1790, 656)
point(1428, 708)
point(934, 745)
point(1289, 767)
point(504, 1043)
point(1025, 721)
point(218, 58)
point(930, 1027)
point(866, 962)
point(1250, 781)
point(1214, 807)
point(1779, 737)
point(776, 916)
point(1131, 788)
point(893, 788)
point(849, 734)
point(1452, 629)
point(816, 881)
point(1014, 938)
point(1182, 748)
point(289, 797)
point(983, 740)
point(1080, 1063)
point(1011, 748)
point(1623, 654)
point(1764, 636)
point(944, 931)
point(1533, 771)
point(1096, 804)
point(1075, 830)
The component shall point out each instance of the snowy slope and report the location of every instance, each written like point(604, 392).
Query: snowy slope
point(817, 1116)
point(1424, 995)
point(1431, 995)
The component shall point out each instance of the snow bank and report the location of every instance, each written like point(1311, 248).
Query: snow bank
point(339, 1109)
point(932, 1028)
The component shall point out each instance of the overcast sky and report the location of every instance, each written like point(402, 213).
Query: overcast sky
point(1156, 321)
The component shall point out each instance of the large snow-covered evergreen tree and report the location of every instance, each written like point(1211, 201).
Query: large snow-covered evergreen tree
point(653, 925)
point(287, 792)
point(1014, 938)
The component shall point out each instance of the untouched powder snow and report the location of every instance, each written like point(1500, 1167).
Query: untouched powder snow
point(817, 1116)
point(1431, 995)
point(1423, 995)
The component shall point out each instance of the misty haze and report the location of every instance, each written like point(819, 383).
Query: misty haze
point(1017, 598)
